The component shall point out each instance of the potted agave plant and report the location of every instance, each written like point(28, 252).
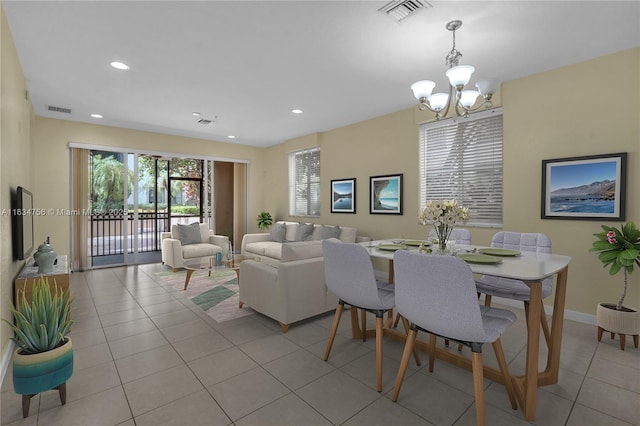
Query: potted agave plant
point(44, 357)
point(264, 220)
point(619, 249)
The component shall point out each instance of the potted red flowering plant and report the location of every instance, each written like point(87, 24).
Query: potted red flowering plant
point(619, 249)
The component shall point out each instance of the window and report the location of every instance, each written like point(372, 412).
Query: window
point(462, 159)
point(304, 182)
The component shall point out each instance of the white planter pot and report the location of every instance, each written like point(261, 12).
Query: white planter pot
point(626, 321)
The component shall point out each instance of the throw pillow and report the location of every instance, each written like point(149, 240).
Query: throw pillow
point(304, 232)
point(189, 234)
point(277, 233)
point(329, 232)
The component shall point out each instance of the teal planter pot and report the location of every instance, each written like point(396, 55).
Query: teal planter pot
point(40, 372)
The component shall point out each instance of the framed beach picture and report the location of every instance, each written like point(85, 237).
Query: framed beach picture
point(343, 196)
point(385, 194)
point(586, 188)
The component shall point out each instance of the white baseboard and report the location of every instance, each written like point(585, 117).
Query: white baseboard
point(6, 360)
point(569, 315)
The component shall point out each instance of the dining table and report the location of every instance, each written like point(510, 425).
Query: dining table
point(531, 268)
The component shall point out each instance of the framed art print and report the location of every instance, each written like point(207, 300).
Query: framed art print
point(586, 188)
point(385, 194)
point(343, 196)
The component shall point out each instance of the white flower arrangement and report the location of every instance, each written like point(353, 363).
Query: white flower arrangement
point(444, 215)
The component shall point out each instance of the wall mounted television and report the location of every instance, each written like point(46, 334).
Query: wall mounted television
point(22, 226)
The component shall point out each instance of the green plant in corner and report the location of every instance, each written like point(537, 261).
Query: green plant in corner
point(264, 220)
point(619, 249)
point(41, 324)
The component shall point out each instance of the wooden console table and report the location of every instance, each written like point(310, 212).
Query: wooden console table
point(29, 275)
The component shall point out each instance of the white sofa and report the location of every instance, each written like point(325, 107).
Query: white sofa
point(285, 281)
point(174, 252)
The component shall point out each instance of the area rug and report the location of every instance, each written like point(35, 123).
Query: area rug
point(217, 295)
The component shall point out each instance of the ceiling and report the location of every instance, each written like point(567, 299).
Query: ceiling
point(245, 65)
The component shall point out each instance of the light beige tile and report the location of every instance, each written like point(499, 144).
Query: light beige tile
point(174, 318)
point(105, 408)
point(185, 330)
point(159, 389)
point(247, 392)
point(337, 396)
point(11, 411)
point(343, 351)
point(164, 308)
point(298, 368)
point(245, 331)
point(130, 328)
point(581, 416)
point(90, 356)
point(201, 345)
point(144, 363)
point(221, 365)
point(119, 306)
point(307, 334)
point(268, 348)
point(145, 299)
point(385, 412)
point(622, 375)
point(194, 409)
point(116, 318)
point(142, 342)
point(88, 338)
point(610, 399)
point(288, 410)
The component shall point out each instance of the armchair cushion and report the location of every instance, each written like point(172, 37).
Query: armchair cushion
point(189, 234)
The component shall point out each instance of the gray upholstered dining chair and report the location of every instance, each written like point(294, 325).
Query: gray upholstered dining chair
point(515, 289)
point(349, 275)
point(437, 294)
point(460, 235)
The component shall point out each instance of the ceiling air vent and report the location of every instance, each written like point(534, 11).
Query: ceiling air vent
point(402, 9)
point(58, 109)
point(204, 121)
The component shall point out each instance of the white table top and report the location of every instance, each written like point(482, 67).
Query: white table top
point(528, 266)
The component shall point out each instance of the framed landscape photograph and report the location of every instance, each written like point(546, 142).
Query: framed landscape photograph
point(385, 194)
point(343, 196)
point(587, 188)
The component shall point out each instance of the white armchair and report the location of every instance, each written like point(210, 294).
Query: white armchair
point(175, 250)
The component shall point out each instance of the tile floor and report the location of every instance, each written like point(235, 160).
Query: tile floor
point(144, 355)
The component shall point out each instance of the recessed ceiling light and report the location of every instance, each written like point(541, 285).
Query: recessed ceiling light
point(231, 137)
point(96, 115)
point(195, 114)
point(296, 111)
point(120, 65)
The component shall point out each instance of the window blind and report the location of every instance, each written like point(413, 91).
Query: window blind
point(462, 159)
point(304, 182)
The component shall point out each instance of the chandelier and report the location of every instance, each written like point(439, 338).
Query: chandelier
point(459, 76)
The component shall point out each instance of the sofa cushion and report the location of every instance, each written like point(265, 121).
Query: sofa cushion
point(301, 250)
point(265, 248)
point(348, 234)
point(277, 232)
point(189, 234)
point(292, 228)
point(304, 232)
point(329, 232)
point(199, 250)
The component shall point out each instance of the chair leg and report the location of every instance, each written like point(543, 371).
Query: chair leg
point(502, 363)
point(395, 323)
point(334, 329)
point(363, 320)
point(404, 363)
point(432, 351)
point(405, 323)
point(379, 353)
point(487, 300)
point(478, 387)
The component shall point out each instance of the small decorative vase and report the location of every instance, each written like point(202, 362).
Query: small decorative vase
point(45, 257)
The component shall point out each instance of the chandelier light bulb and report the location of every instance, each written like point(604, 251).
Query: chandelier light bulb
point(459, 76)
point(468, 98)
point(423, 88)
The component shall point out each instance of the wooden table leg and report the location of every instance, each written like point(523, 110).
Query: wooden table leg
point(188, 277)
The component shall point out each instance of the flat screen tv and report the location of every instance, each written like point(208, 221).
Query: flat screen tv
point(22, 217)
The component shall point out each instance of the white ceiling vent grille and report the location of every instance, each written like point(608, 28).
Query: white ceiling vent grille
point(204, 121)
point(58, 109)
point(402, 9)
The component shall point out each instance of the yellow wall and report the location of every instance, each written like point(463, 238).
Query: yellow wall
point(51, 138)
point(572, 111)
point(14, 162)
